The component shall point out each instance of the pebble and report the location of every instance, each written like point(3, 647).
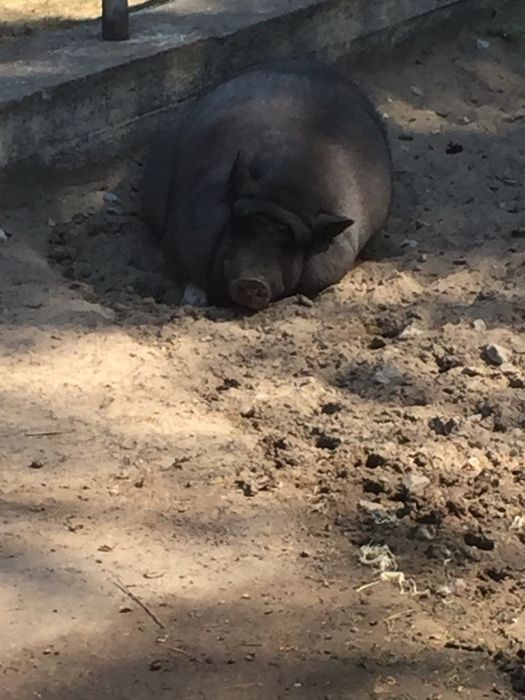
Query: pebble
point(442, 427)
point(410, 331)
point(494, 354)
point(3, 236)
point(416, 483)
point(426, 533)
point(482, 44)
point(480, 325)
point(415, 90)
point(111, 198)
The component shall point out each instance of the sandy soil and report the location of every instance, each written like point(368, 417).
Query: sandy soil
point(187, 495)
point(24, 16)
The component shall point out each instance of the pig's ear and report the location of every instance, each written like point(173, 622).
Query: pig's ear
point(328, 226)
point(239, 177)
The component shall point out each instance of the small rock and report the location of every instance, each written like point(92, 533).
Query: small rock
point(376, 343)
point(51, 223)
point(416, 483)
point(479, 541)
point(3, 236)
point(444, 591)
point(494, 354)
point(454, 148)
point(442, 427)
point(245, 487)
point(327, 442)
point(415, 90)
point(373, 486)
point(124, 609)
point(411, 331)
point(105, 548)
point(474, 466)
point(35, 464)
point(111, 198)
point(331, 407)
point(155, 665)
point(375, 460)
point(480, 325)
point(482, 44)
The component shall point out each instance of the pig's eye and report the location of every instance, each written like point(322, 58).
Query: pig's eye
point(282, 230)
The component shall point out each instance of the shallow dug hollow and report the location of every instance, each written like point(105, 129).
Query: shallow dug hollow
point(322, 500)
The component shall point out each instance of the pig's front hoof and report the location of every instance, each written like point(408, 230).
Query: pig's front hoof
point(250, 293)
point(194, 296)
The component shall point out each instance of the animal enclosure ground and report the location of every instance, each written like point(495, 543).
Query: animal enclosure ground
point(23, 16)
point(187, 495)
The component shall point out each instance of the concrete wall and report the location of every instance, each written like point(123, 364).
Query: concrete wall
point(66, 95)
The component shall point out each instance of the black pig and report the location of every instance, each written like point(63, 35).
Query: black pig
point(270, 184)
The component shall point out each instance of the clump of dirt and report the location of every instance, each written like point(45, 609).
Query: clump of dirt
point(324, 498)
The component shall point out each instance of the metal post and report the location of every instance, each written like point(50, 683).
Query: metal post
point(115, 20)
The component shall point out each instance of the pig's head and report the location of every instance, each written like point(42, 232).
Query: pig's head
point(260, 258)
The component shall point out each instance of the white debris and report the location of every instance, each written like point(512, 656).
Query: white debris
point(386, 375)
point(398, 578)
point(3, 236)
point(194, 296)
point(518, 524)
point(417, 91)
point(480, 325)
point(482, 44)
point(411, 331)
point(111, 198)
point(379, 556)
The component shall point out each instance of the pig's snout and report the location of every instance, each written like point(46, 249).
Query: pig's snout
point(251, 293)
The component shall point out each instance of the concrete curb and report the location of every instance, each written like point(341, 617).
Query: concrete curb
point(73, 97)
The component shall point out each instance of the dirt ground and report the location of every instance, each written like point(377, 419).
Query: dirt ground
point(24, 16)
point(321, 501)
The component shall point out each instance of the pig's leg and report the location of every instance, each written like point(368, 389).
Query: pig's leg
point(194, 296)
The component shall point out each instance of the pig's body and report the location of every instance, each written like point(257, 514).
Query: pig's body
point(270, 184)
